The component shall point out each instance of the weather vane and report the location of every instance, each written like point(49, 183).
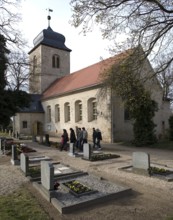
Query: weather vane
point(49, 17)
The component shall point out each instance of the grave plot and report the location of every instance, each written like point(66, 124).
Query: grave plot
point(30, 164)
point(96, 155)
point(141, 165)
point(16, 150)
point(69, 193)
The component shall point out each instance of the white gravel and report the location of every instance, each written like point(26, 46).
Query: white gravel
point(11, 179)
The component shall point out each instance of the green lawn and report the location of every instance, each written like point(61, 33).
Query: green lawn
point(163, 144)
point(21, 205)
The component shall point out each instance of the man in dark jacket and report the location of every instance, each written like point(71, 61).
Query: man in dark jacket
point(94, 137)
point(99, 138)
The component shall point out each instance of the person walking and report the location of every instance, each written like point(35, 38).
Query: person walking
point(94, 137)
point(65, 140)
point(72, 136)
point(84, 137)
point(99, 138)
point(79, 139)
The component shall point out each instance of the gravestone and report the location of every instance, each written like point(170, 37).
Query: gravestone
point(71, 149)
point(14, 155)
point(47, 175)
point(141, 160)
point(24, 163)
point(1, 151)
point(86, 151)
point(41, 139)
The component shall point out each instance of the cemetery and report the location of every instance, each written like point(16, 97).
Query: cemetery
point(141, 165)
point(68, 189)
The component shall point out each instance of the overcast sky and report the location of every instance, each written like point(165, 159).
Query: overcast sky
point(86, 50)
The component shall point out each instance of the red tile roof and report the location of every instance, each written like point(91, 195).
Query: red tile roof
point(84, 78)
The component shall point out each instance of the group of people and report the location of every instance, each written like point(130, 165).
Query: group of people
point(80, 137)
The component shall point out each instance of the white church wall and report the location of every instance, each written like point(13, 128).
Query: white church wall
point(103, 121)
point(29, 118)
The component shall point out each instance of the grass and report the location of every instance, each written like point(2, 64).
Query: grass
point(21, 205)
point(162, 144)
point(169, 218)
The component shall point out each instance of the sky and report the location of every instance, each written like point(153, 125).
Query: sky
point(86, 50)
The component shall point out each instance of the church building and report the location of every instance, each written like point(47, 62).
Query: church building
point(64, 100)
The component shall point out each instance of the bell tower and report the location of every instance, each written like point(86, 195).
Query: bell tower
point(49, 59)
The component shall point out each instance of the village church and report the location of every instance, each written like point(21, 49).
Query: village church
point(64, 100)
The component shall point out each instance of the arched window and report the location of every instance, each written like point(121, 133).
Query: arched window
point(57, 113)
point(34, 63)
point(48, 114)
point(55, 61)
point(78, 111)
point(92, 109)
point(67, 111)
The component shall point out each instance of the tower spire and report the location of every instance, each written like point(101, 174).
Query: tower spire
point(49, 17)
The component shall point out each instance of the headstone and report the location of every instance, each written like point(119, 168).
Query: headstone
point(4, 145)
point(47, 175)
point(1, 151)
point(24, 163)
point(141, 160)
point(71, 149)
point(14, 155)
point(47, 139)
point(41, 139)
point(86, 151)
point(34, 139)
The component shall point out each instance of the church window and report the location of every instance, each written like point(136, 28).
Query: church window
point(92, 109)
point(48, 113)
point(34, 63)
point(24, 124)
point(78, 111)
point(57, 113)
point(55, 61)
point(67, 111)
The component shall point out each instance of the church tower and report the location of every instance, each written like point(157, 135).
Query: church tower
point(49, 60)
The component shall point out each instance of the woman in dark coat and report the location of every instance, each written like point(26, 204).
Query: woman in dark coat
point(72, 136)
point(65, 140)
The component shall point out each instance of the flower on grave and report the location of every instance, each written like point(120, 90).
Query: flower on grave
point(77, 187)
point(56, 185)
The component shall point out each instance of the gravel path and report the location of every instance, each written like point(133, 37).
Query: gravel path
point(11, 177)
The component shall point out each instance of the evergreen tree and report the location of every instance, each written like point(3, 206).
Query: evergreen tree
point(3, 62)
point(10, 100)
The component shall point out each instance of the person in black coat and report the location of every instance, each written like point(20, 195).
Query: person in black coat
point(94, 137)
point(72, 136)
point(99, 138)
point(65, 140)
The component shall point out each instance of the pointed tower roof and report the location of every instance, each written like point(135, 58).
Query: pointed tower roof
point(50, 38)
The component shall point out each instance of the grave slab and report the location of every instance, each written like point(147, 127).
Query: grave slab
point(66, 202)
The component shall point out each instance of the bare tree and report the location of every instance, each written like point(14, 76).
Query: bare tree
point(9, 20)
point(145, 22)
point(18, 71)
point(166, 80)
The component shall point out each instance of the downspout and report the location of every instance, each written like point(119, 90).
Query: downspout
point(112, 117)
